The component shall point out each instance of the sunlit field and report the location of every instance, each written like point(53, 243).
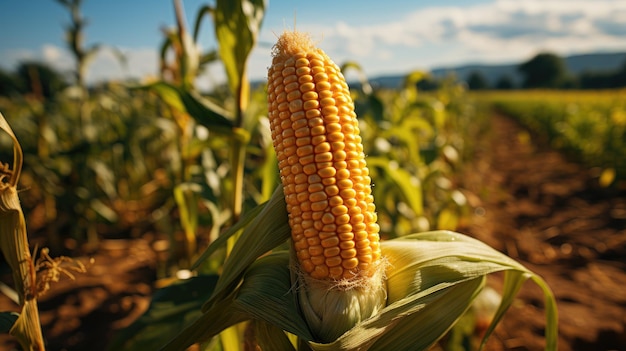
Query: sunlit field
point(355, 227)
point(590, 126)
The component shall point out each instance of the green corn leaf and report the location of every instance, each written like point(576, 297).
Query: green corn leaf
point(409, 131)
point(365, 84)
point(230, 339)
point(204, 111)
point(172, 308)
point(7, 320)
point(513, 281)
point(376, 108)
point(204, 10)
point(410, 84)
point(208, 325)
point(448, 218)
point(187, 196)
point(266, 231)
point(408, 185)
point(237, 26)
point(406, 137)
point(190, 60)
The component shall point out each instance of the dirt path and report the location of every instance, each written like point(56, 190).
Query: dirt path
point(545, 211)
point(531, 203)
point(84, 314)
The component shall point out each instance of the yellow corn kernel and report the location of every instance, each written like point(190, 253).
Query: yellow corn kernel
point(325, 177)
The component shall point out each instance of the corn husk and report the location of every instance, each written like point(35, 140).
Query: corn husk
point(432, 279)
point(330, 307)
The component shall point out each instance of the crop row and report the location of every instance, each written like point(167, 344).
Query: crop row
point(589, 126)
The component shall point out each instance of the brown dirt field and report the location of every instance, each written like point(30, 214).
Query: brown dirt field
point(530, 202)
point(547, 212)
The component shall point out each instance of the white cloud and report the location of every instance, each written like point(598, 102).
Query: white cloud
point(506, 30)
point(105, 65)
point(133, 62)
point(499, 31)
point(52, 53)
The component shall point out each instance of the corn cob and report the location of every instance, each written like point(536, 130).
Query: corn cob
point(322, 165)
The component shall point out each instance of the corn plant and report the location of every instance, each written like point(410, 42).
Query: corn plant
point(31, 277)
point(230, 123)
point(308, 270)
point(413, 145)
point(182, 71)
point(129, 168)
point(75, 37)
point(590, 126)
point(14, 244)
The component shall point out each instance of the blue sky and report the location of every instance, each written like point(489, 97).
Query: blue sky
point(385, 37)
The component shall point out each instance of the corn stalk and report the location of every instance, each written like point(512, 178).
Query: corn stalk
point(14, 245)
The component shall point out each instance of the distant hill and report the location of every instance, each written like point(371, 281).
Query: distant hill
point(595, 62)
point(576, 64)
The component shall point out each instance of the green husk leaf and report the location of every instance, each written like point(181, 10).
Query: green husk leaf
point(413, 323)
point(435, 275)
point(266, 294)
point(270, 337)
point(441, 310)
point(266, 231)
point(330, 310)
point(223, 238)
point(419, 261)
point(432, 279)
point(552, 314)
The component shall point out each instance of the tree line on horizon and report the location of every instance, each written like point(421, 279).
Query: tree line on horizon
point(548, 71)
point(543, 71)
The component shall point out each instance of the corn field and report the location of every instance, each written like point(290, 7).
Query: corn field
point(588, 125)
point(258, 249)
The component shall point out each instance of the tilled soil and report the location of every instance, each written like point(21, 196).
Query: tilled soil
point(547, 212)
point(530, 202)
point(84, 314)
